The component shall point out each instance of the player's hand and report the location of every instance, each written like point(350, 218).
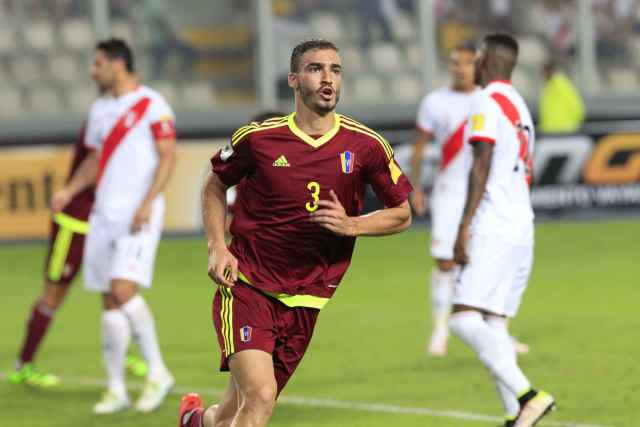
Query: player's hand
point(141, 217)
point(460, 255)
point(223, 267)
point(332, 216)
point(60, 200)
point(418, 201)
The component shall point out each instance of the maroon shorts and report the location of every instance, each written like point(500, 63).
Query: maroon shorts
point(64, 256)
point(245, 319)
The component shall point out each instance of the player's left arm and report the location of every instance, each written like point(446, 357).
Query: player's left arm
point(390, 220)
point(166, 148)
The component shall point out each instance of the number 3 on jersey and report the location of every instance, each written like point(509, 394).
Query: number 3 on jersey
point(314, 188)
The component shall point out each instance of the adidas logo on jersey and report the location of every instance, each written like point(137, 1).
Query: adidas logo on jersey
point(281, 162)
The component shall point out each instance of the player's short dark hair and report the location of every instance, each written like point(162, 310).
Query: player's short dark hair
point(467, 46)
point(116, 48)
point(266, 115)
point(502, 40)
point(305, 46)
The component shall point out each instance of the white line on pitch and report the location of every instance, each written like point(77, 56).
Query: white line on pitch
point(338, 404)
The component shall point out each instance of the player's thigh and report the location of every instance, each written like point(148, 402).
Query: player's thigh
point(485, 281)
point(446, 212)
point(296, 332)
point(98, 251)
point(244, 319)
point(253, 373)
point(523, 256)
point(134, 256)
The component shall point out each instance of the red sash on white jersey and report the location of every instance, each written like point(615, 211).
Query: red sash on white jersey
point(513, 115)
point(452, 146)
point(125, 123)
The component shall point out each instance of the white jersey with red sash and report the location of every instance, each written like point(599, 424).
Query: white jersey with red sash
point(125, 131)
point(500, 116)
point(443, 113)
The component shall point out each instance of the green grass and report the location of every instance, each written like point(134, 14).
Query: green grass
point(579, 315)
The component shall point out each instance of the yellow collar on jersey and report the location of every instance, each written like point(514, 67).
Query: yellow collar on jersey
point(315, 143)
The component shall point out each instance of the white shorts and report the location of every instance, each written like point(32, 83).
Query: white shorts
point(446, 212)
point(496, 276)
point(112, 252)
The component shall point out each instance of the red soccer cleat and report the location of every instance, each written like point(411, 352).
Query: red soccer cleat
point(190, 406)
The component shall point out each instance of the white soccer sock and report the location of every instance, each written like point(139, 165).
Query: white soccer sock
point(508, 398)
point(492, 350)
point(144, 333)
point(442, 283)
point(116, 335)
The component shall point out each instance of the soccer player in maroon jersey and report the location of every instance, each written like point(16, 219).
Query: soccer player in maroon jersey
point(302, 181)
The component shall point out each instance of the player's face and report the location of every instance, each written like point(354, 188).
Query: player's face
point(462, 69)
point(102, 71)
point(318, 80)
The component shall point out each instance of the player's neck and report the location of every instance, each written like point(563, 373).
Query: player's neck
point(125, 85)
point(463, 88)
point(312, 123)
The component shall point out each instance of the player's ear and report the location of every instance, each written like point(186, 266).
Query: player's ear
point(292, 79)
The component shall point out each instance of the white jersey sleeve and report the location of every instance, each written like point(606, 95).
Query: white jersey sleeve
point(92, 137)
point(483, 120)
point(161, 119)
point(426, 119)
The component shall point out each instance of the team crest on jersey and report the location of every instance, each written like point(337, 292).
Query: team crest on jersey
point(347, 160)
point(245, 333)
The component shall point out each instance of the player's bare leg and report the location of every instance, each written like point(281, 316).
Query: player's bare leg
point(43, 311)
point(442, 283)
point(253, 373)
point(133, 306)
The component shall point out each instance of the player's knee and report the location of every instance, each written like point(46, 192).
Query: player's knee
point(123, 292)
point(260, 399)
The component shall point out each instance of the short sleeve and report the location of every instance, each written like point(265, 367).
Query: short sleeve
point(92, 139)
point(483, 120)
point(233, 162)
point(161, 119)
point(426, 117)
point(389, 183)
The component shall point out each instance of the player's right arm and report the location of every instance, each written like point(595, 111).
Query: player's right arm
point(425, 124)
point(84, 177)
point(229, 166)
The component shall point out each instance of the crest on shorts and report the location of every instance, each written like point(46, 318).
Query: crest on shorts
point(245, 333)
point(347, 161)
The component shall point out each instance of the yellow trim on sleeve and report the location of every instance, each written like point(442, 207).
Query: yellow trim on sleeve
point(315, 143)
point(73, 224)
point(395, 171)
point(358, 127)
point(254, 127)
point(309, 301)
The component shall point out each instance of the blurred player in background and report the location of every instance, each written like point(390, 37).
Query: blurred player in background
point(441, 118)
point(132, 138)
point(302, 186)
point(495, 238)
point(64, 258)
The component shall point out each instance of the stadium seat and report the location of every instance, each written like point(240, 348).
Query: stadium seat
point(533, 52)
point(404, 27)
point(64, 68)
point(368, 88)
point(8, 42)
point(352, 59)
point(39, 35)
point(622, 79)
point(169, 90)
point(26, 70)
point(406, 88)
point(80, 97)
point(44, 100)
point(634, 49)
point(121, 29)
point(525, 83)
point(198, 96)
point(77, 34)
point(326, 25)
point(386, 57)
point(12, 103)
point(413, 52)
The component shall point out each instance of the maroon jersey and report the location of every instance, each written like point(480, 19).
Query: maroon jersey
point(279, 249)
point(80, 206)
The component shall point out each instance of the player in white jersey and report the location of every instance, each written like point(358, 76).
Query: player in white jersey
point(133, 140)
point(495, 238)
point(441, 119)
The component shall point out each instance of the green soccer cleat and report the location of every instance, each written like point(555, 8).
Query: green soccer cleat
point(137, 366)
point(29, 375)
